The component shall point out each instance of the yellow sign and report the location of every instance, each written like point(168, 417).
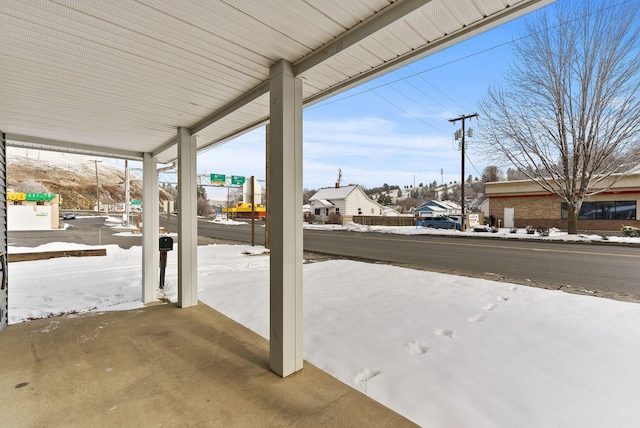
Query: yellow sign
point(19, 196)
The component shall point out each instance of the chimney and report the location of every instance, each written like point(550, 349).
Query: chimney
point(337, 185)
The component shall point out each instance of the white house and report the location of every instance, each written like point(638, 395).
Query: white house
point(349, 201)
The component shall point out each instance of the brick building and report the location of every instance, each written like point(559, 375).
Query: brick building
point(523, 202)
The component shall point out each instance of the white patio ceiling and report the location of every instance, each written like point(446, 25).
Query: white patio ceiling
point(118, 77)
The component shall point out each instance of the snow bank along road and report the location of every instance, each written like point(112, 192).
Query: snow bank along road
point(607, 269)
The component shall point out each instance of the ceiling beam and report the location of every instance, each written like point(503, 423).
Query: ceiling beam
point(357, 34)
point(451, 39)
point(17, 140)
point(377, 22)
point(245, 99)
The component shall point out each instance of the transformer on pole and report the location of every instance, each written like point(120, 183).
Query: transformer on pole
point(460, 134)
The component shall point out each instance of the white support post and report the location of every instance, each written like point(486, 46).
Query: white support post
point(150, 222)
point(285, 220)
point(187, 221)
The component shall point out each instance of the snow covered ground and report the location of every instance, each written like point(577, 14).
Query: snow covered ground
point(442, 350)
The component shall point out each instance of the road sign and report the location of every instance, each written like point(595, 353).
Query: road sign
point(218, 179)
point(237, 180)
point(136, 202)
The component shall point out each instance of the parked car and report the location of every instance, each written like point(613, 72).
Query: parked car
point(68, 216)
point(442, 222)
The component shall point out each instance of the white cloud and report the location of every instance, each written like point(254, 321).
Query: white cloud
point(369, 150)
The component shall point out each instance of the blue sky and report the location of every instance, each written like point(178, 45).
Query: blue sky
point(393, 129)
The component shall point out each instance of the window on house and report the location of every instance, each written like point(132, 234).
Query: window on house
point(371, 210)
point(337, 209)
point(317, 211)
point(359, 211)
point(603, 210)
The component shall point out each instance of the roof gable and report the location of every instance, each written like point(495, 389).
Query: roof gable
point(333, 193)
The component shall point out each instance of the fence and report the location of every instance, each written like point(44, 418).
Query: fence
point(384, 221)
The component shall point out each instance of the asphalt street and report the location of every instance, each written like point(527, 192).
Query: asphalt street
point(595, 268)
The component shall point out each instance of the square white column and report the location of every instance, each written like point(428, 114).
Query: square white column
point(187, 220)
point(285, 220)
point(150, 222)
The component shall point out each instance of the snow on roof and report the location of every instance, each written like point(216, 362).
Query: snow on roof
point(450, 204)
point(323, 202)
point(333, 193)
point(432, 208)
point(436, 205)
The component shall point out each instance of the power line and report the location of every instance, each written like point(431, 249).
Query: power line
point(417, 88)
point(406, 112)
point(420, 73)
point(437, 89)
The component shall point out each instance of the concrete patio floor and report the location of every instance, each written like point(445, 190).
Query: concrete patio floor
point(162, 366)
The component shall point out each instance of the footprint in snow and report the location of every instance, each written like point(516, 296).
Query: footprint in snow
point(502, 298)
point(365, 375)
point(445, 332)
point(490, 307)
point(477, 318)
point(416, 348)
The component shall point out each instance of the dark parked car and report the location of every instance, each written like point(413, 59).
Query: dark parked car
point(68, 216)
point(442, 223)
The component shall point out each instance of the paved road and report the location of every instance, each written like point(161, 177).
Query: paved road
point(606, 268)
point(549, 264)
point(89, 231)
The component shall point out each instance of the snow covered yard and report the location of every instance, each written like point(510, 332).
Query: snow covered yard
point(442, 350)
point(502, 233)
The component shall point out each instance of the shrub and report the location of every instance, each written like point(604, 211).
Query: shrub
point(542, 231)
point(309, 217)
point(334, 218)
point(630, 231)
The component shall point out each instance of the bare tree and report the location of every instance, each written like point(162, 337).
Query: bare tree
point(491, 173)
point(203, 207)
point(568, 113)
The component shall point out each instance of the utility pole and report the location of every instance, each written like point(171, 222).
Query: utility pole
point(462, 118)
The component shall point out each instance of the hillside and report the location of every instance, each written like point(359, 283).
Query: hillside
point(71, 176)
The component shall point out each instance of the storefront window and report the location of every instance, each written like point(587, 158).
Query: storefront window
point(604, 210)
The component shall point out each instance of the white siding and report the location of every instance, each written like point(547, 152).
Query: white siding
point(359, 199)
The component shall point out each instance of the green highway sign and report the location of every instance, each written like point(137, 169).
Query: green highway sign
point(237, 180)
point(218, 179)
point(136, 202)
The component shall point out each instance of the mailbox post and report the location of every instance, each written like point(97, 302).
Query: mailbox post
point(166, 245)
